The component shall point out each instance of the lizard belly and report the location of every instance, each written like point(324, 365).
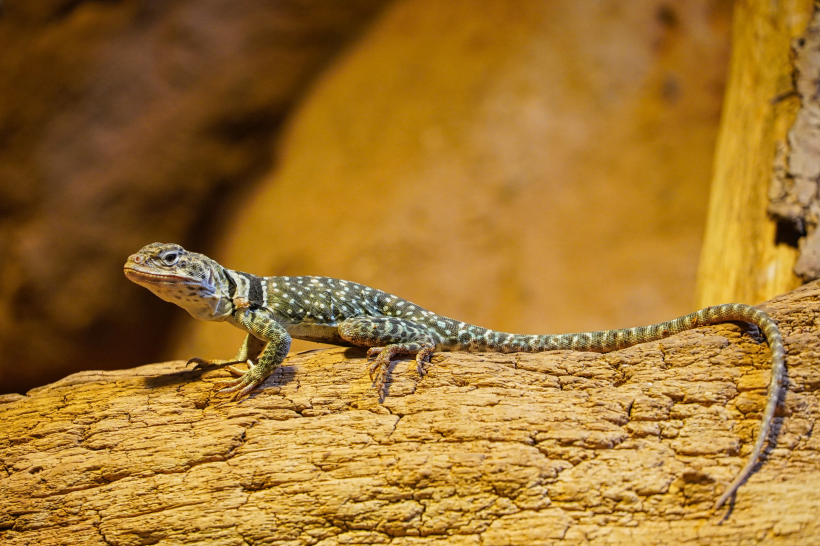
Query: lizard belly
point(320, 333)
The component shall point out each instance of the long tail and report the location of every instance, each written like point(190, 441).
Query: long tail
point(611, 340)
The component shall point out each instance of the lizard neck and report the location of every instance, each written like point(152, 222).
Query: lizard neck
point(212, 301)
point(244, 290)
point(232, 291)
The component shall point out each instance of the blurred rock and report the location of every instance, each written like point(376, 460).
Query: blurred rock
point(123, 123)
point(537, 167)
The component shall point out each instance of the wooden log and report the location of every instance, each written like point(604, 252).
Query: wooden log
point(562, 447)
point(742, 260)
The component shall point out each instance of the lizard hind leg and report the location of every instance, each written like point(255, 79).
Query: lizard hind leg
point(387, 337)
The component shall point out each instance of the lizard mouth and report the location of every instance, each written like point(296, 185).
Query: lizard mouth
point(136, 275)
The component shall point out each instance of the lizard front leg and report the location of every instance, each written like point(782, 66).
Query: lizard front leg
point(261, 327)
point(387, 337)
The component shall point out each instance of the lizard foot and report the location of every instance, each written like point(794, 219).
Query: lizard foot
point(379, 367)
point(422, 358)
point(244, 383)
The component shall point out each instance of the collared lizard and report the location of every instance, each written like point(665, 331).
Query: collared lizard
point(273, 310)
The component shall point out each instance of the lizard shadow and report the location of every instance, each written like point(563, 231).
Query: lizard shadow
point(282, 375)
point(190, 374)
point(764, 456)
point(777, 427)
point(352, 353)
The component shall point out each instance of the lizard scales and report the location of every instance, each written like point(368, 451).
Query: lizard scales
point(273, 310)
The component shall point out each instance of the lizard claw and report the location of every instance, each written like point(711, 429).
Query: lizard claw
point(240, 389)
point(379, 366)
point(200, 363)
point(244, 383)
point(374, 351)
point(422, 358)
point(378, 370)
point(236, 372)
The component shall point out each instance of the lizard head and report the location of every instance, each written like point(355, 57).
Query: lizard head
point(192, 281)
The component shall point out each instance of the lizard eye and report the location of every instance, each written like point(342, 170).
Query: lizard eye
point(169, 258)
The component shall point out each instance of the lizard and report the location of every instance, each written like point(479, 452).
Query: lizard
point(274, 310)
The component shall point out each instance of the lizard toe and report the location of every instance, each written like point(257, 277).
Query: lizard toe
point(378, 373)
point(246, 390)
point(199, 363)
point(230, 385)
point(378, 368)
point(422, 358)
point(203, 363)
point(236, 372)
point(374, 351)
point(245, 383)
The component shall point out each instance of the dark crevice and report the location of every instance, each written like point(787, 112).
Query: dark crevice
point(67, 8)
point(787, 233)
point(666, 16)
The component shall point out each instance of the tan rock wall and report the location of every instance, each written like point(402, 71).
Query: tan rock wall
point(530, 166)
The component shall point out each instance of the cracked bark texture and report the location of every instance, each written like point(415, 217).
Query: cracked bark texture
point(745, 256)
point(794, 197)
point(560, 447)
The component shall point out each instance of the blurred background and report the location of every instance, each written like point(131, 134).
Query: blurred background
point(531, 166)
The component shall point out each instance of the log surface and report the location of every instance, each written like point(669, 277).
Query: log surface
point(562, 447)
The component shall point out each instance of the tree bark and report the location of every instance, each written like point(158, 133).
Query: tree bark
point(742, 259)
point(562, 447)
